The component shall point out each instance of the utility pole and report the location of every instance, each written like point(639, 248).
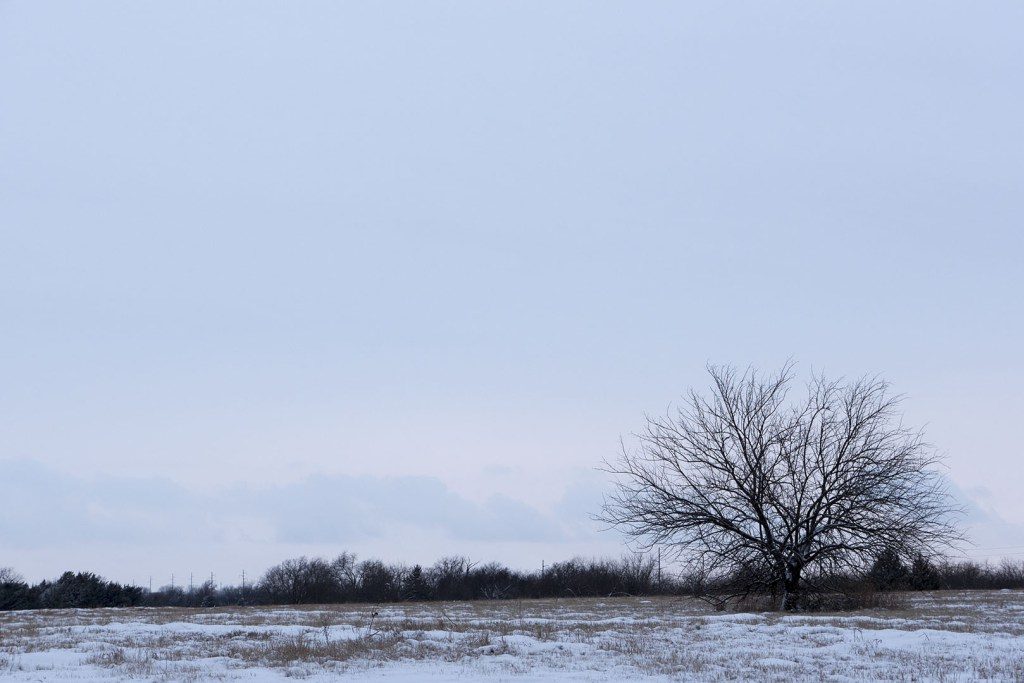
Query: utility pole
point(150, 584)
point(172, 582)
point(190, 590)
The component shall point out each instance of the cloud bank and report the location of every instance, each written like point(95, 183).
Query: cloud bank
point(45, 507)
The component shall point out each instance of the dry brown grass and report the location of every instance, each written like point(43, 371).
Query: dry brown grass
point(306, 649)
point(657, 636)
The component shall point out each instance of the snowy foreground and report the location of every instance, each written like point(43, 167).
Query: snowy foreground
point(942, 636)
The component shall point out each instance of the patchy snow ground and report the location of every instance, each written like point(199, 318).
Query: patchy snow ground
point(942, 636)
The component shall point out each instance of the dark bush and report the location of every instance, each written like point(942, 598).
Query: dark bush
point(923, 575)
point(888, 572)
point(17, 595)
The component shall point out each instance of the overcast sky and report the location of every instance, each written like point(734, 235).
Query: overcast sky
point(281, 278)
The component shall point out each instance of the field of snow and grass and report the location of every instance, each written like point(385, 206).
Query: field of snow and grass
point(942, 636)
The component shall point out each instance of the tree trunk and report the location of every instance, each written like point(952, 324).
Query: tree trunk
point(791, 588)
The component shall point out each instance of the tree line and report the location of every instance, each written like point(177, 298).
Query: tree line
point(345, 579)
point(306, 580)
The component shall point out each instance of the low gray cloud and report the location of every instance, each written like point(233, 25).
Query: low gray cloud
point(339, 509)
point(45, 507)
point(989, 536)
point(42, 507)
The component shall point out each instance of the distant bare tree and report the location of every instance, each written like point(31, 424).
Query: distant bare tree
point(344, 571)
point(300, 580)
point(772, 493)
point(8, 575)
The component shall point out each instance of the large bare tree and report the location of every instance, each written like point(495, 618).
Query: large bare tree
point(749, 481)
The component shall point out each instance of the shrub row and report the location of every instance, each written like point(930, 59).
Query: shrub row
point(344, 579)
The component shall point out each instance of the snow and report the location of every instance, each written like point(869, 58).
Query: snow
point(937, 636)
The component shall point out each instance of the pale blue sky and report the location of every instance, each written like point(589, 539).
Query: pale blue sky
point(454, 250)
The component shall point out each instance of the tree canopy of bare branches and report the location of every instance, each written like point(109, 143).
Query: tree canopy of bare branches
point(749, 481)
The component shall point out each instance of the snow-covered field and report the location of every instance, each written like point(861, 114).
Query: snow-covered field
point(943, 636)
